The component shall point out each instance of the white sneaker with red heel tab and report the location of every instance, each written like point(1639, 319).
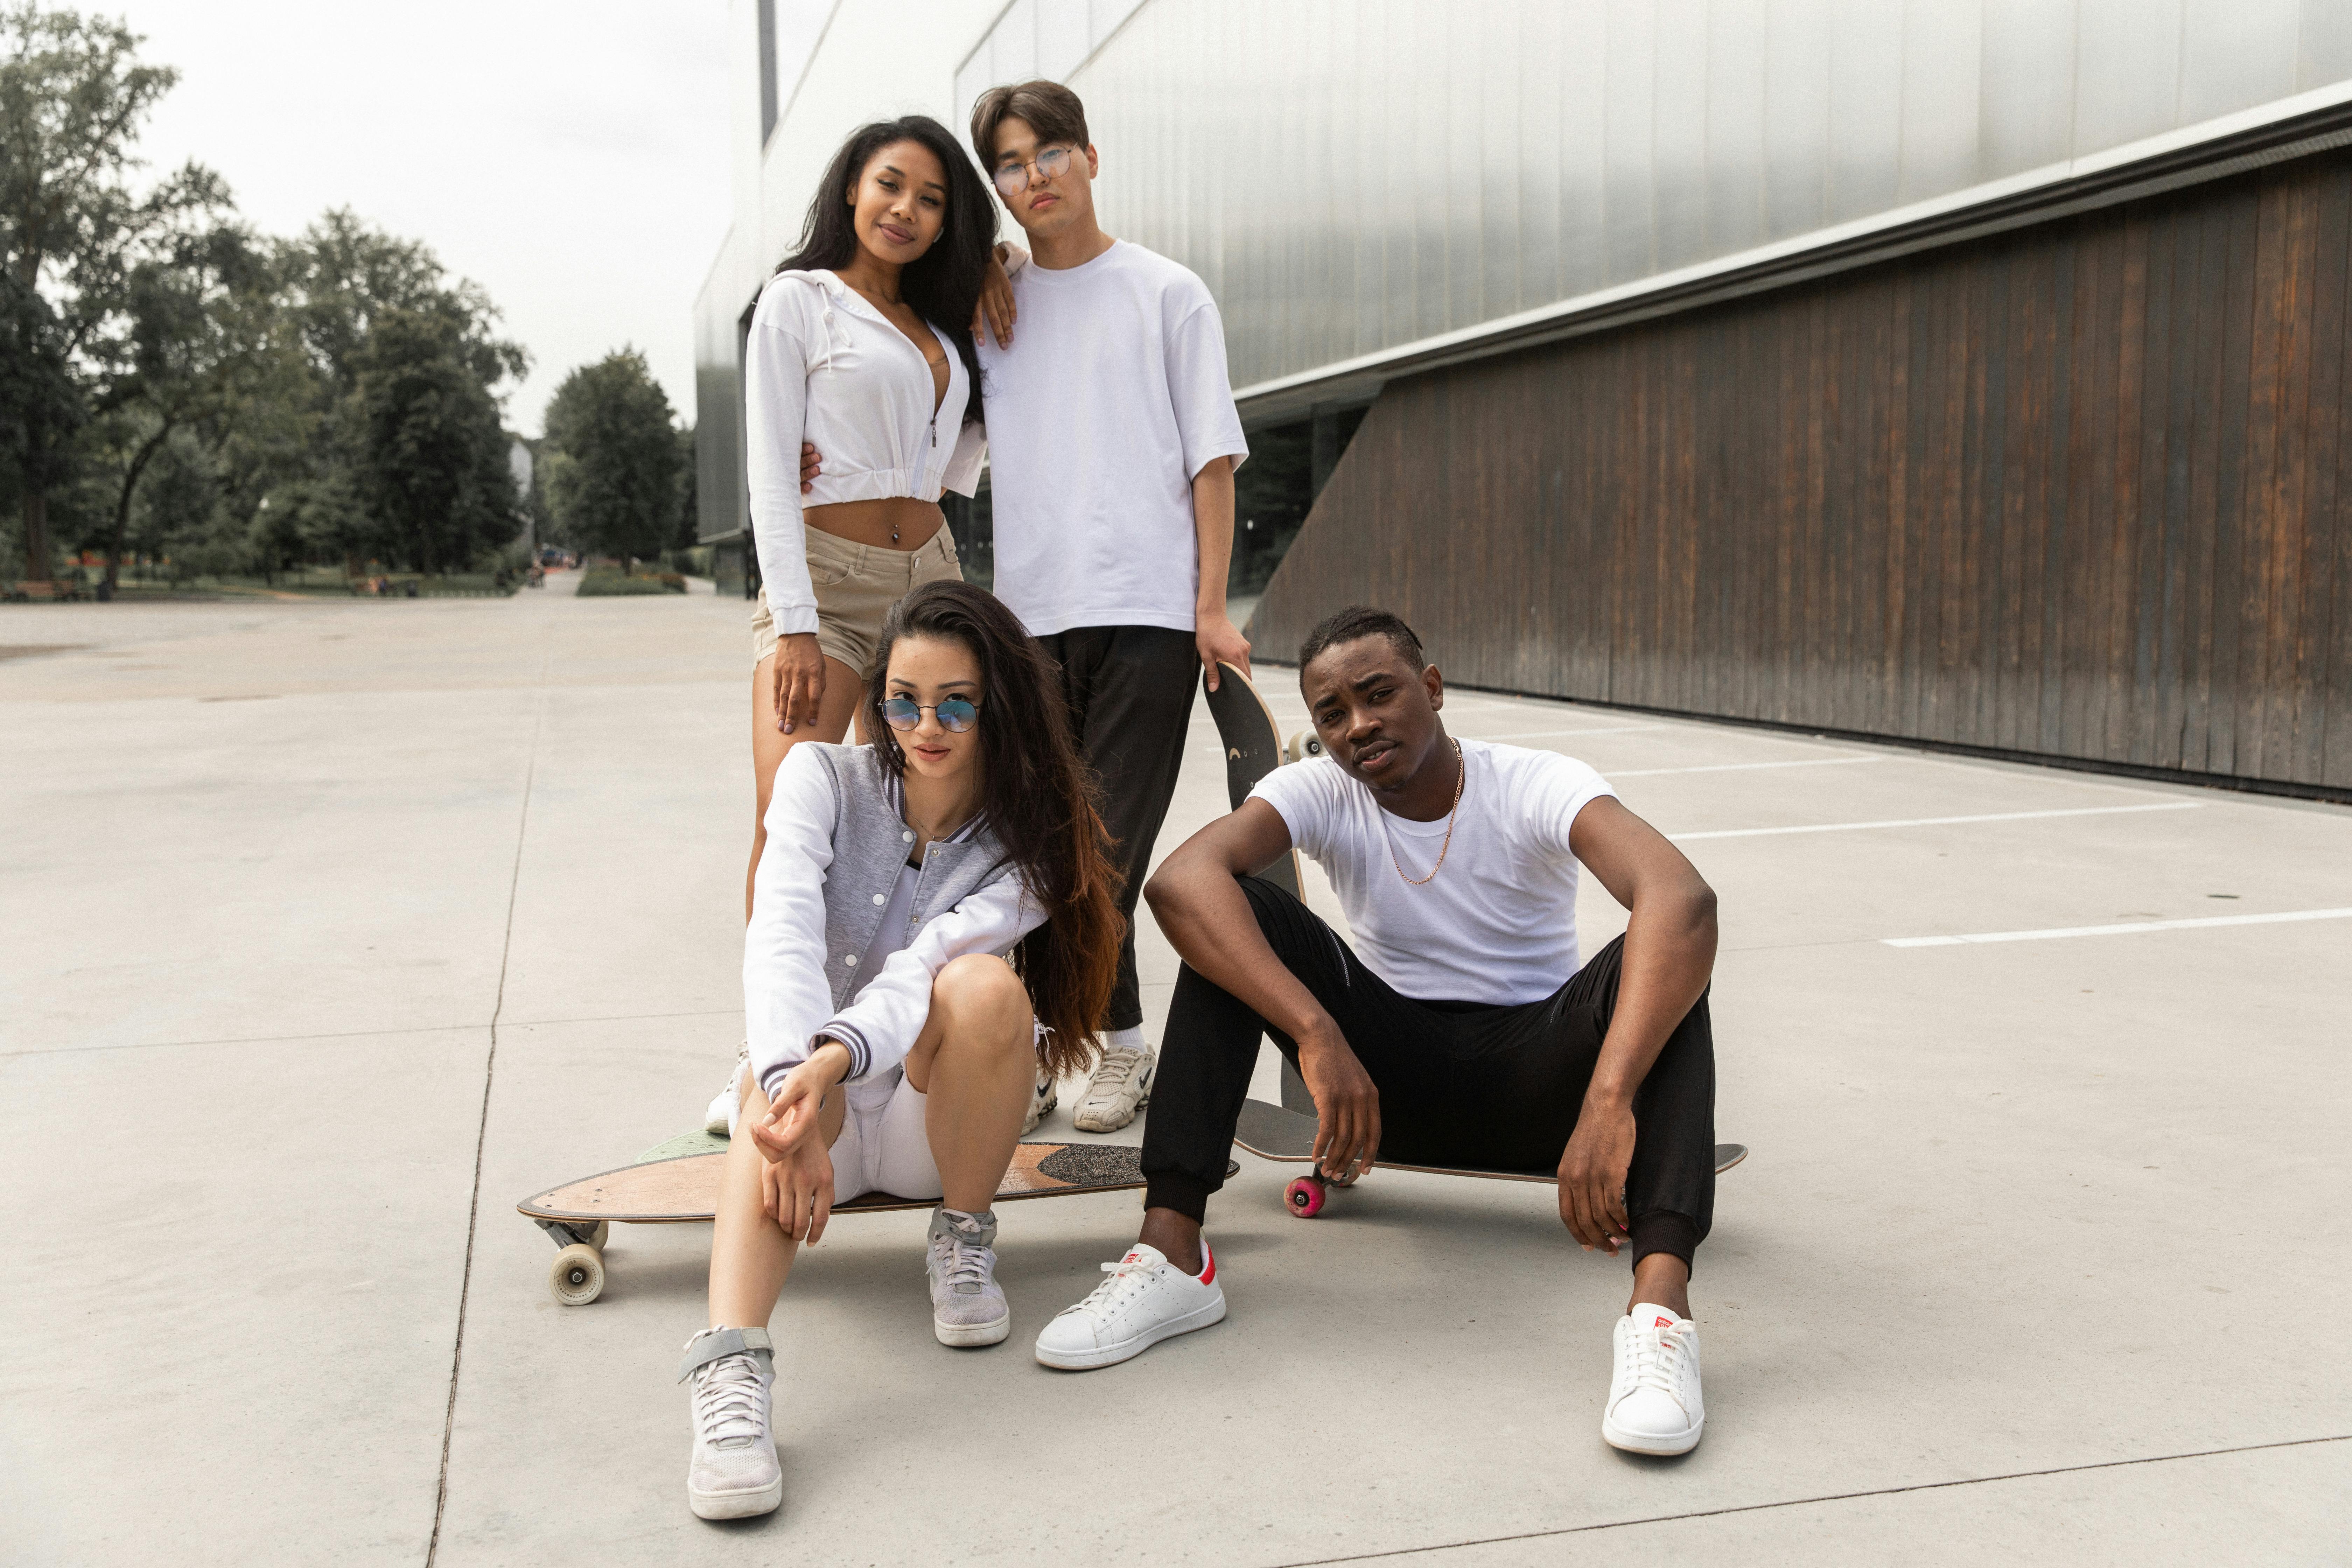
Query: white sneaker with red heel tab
point(1654, 1399)
point(1146, 1300)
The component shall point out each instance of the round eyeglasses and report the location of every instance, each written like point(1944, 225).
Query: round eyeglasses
point(957, 713)
point(1051, 163)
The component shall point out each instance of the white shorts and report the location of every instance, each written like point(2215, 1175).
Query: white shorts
point(884, 1146)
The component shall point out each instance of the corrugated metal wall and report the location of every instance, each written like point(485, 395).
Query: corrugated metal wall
point(2078, 491)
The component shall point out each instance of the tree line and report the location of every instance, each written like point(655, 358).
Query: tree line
point(174, 384)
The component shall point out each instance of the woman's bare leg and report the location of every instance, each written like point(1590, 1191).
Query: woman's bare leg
point(750, 1253)
point(843, 690)
point(976, 1060)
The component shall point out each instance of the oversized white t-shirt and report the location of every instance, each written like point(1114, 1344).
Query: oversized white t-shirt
point(1497, 924)
point(1111, 398)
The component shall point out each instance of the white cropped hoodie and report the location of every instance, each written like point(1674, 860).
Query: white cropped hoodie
point(822, 364)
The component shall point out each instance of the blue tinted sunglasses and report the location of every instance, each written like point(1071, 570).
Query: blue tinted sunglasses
point(957, 713)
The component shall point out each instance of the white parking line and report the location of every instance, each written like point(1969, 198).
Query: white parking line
point(2116, 929)
point(1539, 734)
point(1933, 821)
point(1741, 767)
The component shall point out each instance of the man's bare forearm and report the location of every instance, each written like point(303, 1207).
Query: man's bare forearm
point(1669, 955)
point(1212, 530)
point(1208, 920)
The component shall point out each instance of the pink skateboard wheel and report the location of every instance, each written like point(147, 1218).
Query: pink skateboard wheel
point(1306, 1197)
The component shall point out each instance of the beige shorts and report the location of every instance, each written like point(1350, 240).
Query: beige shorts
point(856, 586)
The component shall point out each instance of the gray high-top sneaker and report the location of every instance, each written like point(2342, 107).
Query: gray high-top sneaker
point(968, 1306)
point(733, 1473)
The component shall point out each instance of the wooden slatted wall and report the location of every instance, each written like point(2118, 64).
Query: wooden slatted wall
point(2079, 490)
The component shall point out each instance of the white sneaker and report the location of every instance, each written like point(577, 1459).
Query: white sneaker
point(968, 1306)
point(1146, 1300)
point(1042, 1099)
point(1654, 1400)
point(1121, 1087)
point(733, 1473)
point(719, 1120)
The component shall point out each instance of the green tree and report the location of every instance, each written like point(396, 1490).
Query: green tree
point(612, 476)
point(432, 453)
point(72, 96)
point(208, 350)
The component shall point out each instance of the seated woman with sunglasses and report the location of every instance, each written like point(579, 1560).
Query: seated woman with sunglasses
point(934, 916)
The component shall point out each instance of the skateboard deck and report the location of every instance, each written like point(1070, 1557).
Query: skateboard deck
point(1254, 748)
point(1271, 1132)
point(677, 1189)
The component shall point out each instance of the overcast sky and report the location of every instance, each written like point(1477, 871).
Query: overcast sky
point(571, 158)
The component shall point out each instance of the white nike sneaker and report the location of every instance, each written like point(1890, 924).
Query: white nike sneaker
point(968, 1306)
point(1654, 1400)
point(719, 1120)
point(1042, 1101)
point(1121, 1087)
point(1146, 1300)
point(733, 1473)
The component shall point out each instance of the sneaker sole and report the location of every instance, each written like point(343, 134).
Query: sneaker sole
point(1649, 1443)
point(968, 1334)
point(1088, 1122)
point(1128, 1350)
point(736, 1504)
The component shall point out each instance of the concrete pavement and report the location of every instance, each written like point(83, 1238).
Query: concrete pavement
point(329, 930)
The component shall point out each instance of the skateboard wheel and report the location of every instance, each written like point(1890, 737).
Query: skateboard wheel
point(578, 1275)
point(1302, 744)
point(1305, 1196)
point(603, 1229)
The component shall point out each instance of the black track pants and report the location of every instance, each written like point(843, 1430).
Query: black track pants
point(1130, 694)
point(1460, 1083)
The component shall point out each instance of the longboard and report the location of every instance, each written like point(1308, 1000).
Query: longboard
point(1271, 1132)
point(677, 1189)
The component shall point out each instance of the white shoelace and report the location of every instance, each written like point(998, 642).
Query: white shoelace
point(965, 1266)
point(1656, 1358)
point(1107, 1296)
point(727, 1401)
point(1117, 1071)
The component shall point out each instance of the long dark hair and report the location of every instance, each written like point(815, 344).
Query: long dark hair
point(943, 283)
point(1039, 800)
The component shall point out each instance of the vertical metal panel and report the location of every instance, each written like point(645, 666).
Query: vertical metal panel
point(1797, 118)
point(1012, 48)
point(1492, 89)
point(1061, 37)
point(1943, 43)
point(2026, 115)
point(1628, 168)
point(2323, 44)
point(2235, 54)
point(2127, 77)
point(1735, 124)
point(1584, 146)
point(1103, 17)
point(1678, 138)
point(1542, 84)
point(1865, 107)
point(1458, 56)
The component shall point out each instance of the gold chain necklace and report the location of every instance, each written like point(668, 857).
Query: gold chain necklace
point(1461, 777)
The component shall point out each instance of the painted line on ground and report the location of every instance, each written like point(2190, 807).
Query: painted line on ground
point(1539, 734)
point(1742, 767)
point(2057, 931)
point(1935, 821)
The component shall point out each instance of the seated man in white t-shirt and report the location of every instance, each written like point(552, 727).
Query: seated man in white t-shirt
point(1461, 1029)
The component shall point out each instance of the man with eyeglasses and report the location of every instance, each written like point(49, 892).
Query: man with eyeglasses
point(1112, 443)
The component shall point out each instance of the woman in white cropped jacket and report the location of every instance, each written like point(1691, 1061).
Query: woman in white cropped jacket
point(934, 918)
point(860, 346)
